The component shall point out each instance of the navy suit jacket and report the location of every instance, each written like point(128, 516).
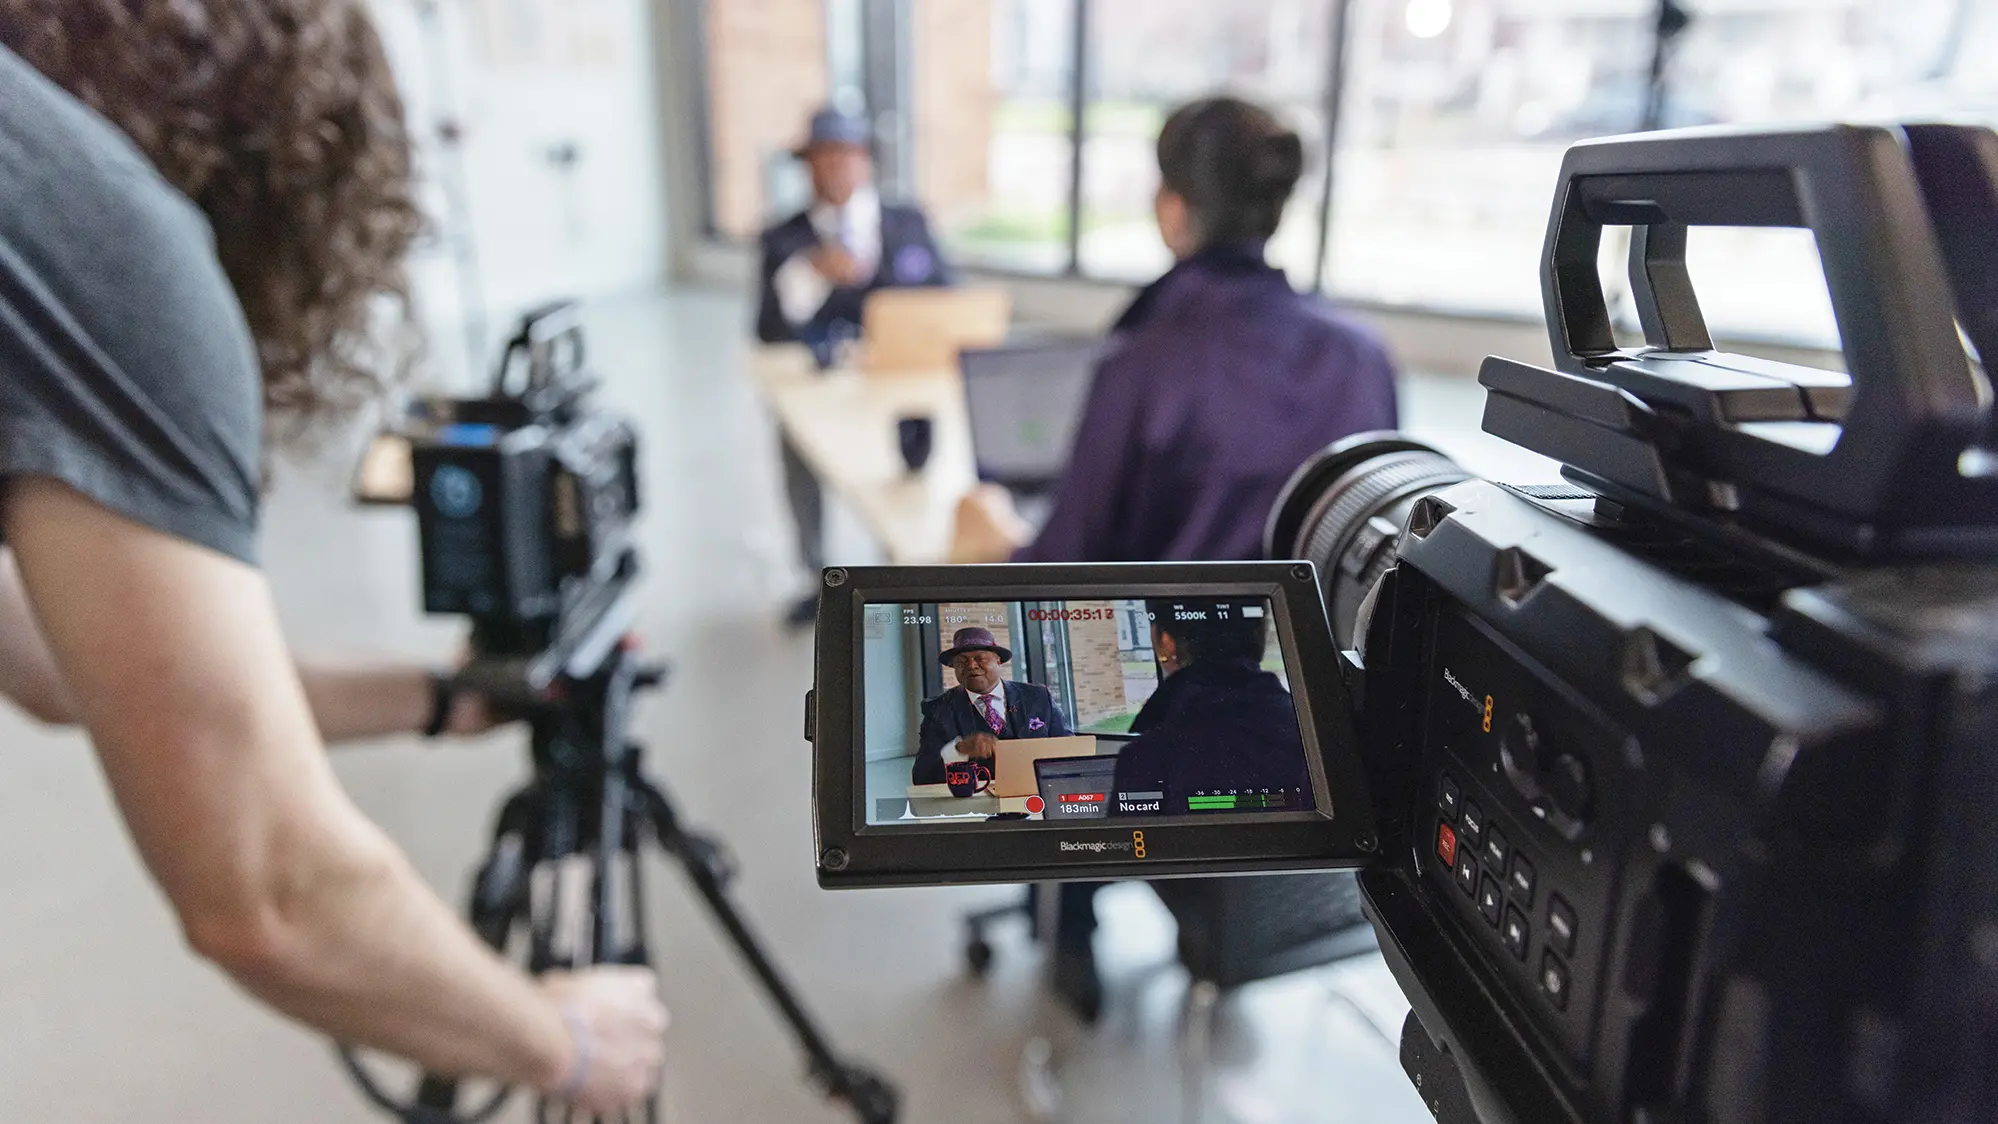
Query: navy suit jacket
point(909, 258)
point(950, 716)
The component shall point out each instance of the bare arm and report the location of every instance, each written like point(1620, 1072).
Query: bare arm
point(174, 661)
point(348, 703)
point(28, 674)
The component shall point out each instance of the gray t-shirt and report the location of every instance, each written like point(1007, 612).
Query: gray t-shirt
point(126, 369)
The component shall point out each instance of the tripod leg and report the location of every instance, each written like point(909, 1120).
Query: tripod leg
point(871, 1097)
point(499, 897)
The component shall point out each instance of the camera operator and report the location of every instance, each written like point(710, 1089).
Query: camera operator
point(213, 256)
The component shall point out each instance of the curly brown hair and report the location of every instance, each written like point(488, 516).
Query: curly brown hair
point(281, 120)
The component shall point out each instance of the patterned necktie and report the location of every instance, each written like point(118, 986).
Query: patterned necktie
point(992, 717)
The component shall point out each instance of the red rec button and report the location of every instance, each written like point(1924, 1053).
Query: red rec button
point(1446, 844)
point(1034, 805)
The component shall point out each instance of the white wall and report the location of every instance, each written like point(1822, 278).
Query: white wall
point(889, 688)
point(524, 78)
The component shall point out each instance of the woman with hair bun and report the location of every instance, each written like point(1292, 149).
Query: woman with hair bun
point(1219, 381)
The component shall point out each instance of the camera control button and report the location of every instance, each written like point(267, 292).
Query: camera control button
point(1519, 753)
point(1496, 850)
point(1449, 797)
point(1513, 930)
point(1521, 880)
point(1561, 925)
point(1554, 980)
point(1491, 899)
point(1569, 789)
point(1473, 822)
point(1467, 872)
point(1446, 844)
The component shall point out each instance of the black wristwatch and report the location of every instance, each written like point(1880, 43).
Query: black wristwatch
point(443, 691)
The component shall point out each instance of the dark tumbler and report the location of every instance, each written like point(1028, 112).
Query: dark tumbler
point(916, 436)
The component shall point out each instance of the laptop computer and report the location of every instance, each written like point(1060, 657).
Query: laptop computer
point(1024, 403)
point(924, 329)
point(1013, 761)
point(1075, 788)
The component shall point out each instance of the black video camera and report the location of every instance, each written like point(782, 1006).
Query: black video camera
point(1671, 789)
point(524, 499)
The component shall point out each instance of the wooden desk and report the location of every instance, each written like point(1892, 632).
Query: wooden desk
point(842, 423)
point(926, 800)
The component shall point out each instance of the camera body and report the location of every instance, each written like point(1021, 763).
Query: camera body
point(1658, 853)
point(512, 506)
point(1675, 767)
point(525, 498)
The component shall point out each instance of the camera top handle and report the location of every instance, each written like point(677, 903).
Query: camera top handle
point(547, 353)
point(1873, 463)
point(1958, 170)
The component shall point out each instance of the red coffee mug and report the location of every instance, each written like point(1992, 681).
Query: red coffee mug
point(967, 778)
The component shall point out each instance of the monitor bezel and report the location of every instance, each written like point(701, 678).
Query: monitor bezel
point(850, 853)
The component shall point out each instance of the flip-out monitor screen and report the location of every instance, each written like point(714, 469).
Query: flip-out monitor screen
point(1007, 723)
point(1097, 708)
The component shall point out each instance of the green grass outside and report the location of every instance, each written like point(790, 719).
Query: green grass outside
point(1117, 724)
point(1103, 118)
point(1017, 226)
point(1039, 226)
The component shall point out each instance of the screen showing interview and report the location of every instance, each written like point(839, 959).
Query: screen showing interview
point(1078, 710)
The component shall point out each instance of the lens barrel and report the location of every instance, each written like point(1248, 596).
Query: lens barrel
point(1344, 510)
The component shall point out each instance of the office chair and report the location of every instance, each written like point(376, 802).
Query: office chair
point(1238, 931)
point(977, 948)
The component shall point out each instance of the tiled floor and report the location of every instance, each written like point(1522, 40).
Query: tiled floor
point(105, 1019)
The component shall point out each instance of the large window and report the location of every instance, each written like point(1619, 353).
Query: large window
point(994, 144)
point(1443, 136)
point(1857, 59)
point(1454, 117)
point(1148, 56)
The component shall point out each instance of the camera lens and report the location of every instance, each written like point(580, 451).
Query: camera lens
point(1344, 509)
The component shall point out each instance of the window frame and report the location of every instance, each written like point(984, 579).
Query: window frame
point(887, 54)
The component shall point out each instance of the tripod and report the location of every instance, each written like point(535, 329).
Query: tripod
point(564, 873)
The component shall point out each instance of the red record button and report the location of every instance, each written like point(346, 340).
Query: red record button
point(1446, 844)
point(1034, 805)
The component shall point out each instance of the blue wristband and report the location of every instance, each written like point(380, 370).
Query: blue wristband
point(579, 1070)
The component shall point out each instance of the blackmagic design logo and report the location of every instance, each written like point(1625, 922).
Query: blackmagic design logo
point(1094, 846)
point(1136, 845)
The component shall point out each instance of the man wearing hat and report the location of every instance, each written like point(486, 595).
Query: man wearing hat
point(820, 264)
point(967, 722)
point(818, 267)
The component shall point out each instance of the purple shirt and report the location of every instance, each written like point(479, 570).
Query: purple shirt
point(1220, 381)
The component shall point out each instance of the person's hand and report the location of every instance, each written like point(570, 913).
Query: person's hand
point(979, 747)
point(988, 528)
point(473, 713)
point(618, 1021)
point(837, 265)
